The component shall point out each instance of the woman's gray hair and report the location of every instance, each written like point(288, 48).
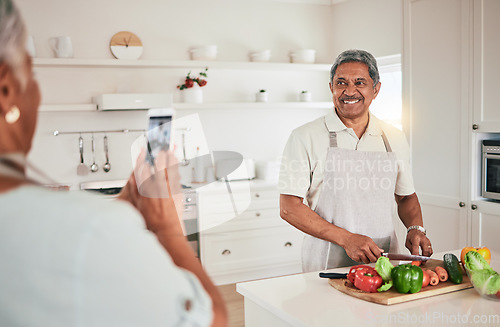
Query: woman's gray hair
point(12, 39)
point(357, 56)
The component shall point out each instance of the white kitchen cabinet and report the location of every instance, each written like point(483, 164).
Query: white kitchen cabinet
point(450, 75)
point(486, 68)
point(486, 224)
point(255, 244)
point(435, 96)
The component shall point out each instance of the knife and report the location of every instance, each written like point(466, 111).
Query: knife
point(407, 257)
point(332, 275)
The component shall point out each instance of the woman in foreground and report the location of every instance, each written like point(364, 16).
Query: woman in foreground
point(72, 259)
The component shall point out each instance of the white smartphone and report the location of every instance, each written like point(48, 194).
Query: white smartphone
point(159, 133)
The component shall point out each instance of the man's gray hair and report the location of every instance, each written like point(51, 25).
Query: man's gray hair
point(357, 56)
point(12, 39)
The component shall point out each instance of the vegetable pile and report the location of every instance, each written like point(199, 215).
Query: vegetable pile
point(406, 278)
point(481, 274)
point(410, 278)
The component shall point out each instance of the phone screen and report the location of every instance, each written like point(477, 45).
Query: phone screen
point(158, 135)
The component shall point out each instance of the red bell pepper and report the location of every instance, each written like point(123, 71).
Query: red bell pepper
point(366, 269)
point(367, 281)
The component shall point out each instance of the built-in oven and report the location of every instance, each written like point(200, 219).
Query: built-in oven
point(490, 176)
point(190, 200)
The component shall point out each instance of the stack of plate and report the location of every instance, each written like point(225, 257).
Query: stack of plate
point(260, 56)
point(207, 52)
point(305, 56)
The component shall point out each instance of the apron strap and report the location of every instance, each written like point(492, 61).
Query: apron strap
point(386, 142)
point(333, 139)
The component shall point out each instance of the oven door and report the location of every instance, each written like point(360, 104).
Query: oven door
point(491, 176)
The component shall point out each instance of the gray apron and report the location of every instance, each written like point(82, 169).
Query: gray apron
point(357, 194)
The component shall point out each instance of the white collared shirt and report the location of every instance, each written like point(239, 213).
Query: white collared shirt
point(302, 164)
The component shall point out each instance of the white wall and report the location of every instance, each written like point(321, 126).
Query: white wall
point(371, 25)
point(167, 29)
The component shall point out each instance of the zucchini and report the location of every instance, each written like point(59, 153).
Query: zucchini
point(453, 268)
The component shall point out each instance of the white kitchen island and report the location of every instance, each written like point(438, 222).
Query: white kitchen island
point(308, 300)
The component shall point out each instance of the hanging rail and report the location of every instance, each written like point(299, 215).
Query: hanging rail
point(56, 133)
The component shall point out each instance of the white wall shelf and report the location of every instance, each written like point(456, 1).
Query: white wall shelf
point(90, 62)
point(202, 106)
point(254, 105)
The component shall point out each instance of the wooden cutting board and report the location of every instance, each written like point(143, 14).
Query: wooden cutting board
point(393, 297)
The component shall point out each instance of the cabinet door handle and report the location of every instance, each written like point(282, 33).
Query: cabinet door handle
point(475, 126)
point(473, 207)
point(288, 244)
point(188, 200)
point(226, 252)
point(257, 195)
point(461, 204)
point(257, 214)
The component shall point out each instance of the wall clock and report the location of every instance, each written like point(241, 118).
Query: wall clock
point(125, 45)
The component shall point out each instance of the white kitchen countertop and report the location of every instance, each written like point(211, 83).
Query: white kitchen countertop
point(308, 300)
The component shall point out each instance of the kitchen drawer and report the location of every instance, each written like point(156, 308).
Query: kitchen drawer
point(190, 212)
point(260, 248)
point(222, 203)
point(250, 219)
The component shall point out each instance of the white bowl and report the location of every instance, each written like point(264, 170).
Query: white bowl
point(207, 52)
point(260, 56)
point(306, 56)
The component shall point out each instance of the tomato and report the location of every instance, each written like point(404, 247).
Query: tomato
point(484, 252)
point(426, 279)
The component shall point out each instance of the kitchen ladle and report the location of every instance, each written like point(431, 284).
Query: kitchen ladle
point(94, 167)
point(107, 165)
point(82, 169)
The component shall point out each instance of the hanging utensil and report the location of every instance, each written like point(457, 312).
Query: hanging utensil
point(107, 165)
point(184, 161)
point(94, 167)
point(82, 169)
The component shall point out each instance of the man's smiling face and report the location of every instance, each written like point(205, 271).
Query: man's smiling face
point(352, 90)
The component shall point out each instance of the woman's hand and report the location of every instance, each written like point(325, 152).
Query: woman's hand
point(156, 192)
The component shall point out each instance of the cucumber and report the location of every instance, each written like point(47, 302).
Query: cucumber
point(453, 268)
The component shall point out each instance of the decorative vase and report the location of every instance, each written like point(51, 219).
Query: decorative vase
point(261, 97)
point(193, 94)
point(305, 96)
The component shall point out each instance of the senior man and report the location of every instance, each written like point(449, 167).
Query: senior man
point(343, 174)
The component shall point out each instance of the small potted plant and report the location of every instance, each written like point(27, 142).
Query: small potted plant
point(305, 96)
point(261, 96)
point(191, 92)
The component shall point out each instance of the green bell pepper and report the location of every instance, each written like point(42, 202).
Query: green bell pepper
point(407, 278)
